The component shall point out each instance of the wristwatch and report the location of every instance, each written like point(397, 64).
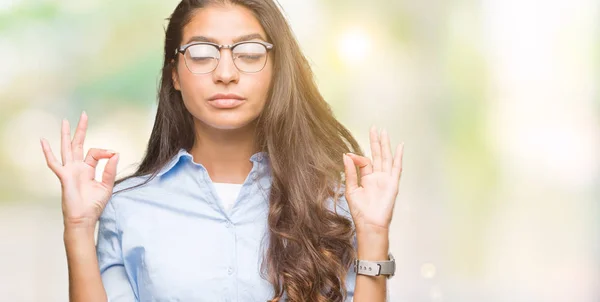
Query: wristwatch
point(376, 268)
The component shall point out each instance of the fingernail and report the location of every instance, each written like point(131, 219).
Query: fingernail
point(111, 151)
point(83, 113)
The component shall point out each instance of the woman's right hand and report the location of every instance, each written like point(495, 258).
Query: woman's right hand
point(83, 198)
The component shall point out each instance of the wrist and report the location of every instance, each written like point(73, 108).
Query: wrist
point(372, 245)
point(79, 222)
point(78, 232)
point(372, 229)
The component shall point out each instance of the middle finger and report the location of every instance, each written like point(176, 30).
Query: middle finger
point(79, 137)
point(375, 149)
point(386, 151)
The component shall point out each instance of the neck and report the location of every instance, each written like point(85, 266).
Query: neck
point(225, 153)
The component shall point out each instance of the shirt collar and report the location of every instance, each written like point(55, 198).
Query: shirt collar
point(258, 157)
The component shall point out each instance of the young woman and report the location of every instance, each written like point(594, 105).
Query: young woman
point(247, 191)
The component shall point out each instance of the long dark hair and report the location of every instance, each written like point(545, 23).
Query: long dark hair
point(310, 248)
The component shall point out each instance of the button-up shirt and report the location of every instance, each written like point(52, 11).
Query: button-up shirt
point(172, 240)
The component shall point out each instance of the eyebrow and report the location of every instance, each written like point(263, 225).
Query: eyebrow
point(238, 39)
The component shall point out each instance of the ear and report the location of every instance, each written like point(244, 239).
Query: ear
point(175, 76)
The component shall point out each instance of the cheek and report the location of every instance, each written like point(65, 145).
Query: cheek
point(263, 84)
point(191, 85)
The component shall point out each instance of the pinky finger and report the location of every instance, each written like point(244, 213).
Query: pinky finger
point(397, 165)
point(51, 161)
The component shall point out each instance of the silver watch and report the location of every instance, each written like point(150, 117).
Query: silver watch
point(376, 268)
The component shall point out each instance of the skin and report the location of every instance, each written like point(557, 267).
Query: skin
point(224, 137)
point(372, 205)
point(83, 200)
point(224, 145)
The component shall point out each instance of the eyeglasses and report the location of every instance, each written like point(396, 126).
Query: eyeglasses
point(203, 57)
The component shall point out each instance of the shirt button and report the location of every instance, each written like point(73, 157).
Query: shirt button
point(254, 176)
point(230, 270)
point(228, 224)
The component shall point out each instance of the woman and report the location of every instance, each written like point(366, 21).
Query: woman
point(239, 196)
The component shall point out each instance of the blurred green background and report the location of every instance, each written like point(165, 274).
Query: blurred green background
point(497, 102)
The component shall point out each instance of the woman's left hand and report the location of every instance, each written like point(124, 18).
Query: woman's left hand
point(372, 204)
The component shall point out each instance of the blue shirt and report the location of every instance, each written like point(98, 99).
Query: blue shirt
point(171, 239)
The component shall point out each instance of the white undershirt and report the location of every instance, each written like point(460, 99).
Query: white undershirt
point(227, 193)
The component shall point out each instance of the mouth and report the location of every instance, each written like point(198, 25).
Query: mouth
point(226, 101)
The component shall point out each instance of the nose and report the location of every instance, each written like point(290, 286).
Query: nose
point(226, 72)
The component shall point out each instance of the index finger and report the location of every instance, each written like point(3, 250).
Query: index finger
point(94, 155)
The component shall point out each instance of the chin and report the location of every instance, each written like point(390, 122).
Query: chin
point(228, 124)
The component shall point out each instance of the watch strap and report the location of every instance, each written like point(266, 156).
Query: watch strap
point(376, 268)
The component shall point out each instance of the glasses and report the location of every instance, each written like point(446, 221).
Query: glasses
point(203, 57)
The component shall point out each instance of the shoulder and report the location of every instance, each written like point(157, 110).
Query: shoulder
point(125, 198)
point(139, 185)
point(130, 188)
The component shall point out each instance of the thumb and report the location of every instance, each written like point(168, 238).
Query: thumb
point(110, 171)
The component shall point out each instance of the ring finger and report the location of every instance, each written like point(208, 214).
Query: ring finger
point(65, 140)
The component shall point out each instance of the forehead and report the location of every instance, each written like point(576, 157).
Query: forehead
point(222, 23)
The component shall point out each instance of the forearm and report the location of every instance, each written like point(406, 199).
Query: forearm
point(372, 246)
point(85, 282)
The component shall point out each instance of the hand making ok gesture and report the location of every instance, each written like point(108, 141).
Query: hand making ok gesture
point(83, 198)
point(371, 204)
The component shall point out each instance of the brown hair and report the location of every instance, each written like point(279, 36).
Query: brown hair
point(310, 248)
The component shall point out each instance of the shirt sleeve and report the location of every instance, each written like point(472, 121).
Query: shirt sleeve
point(110, 258)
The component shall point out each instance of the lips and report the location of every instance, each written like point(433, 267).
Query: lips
point(226, 101)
